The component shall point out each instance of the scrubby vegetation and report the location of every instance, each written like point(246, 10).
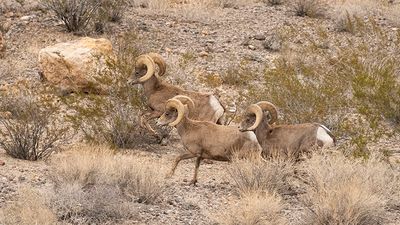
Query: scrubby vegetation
point(332, 62)
point(344, 191)
point(30, 129)
point(77, 16)
point(335, 81)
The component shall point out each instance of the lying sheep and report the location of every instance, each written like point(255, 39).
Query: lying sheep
point(158, 92)
point(202, 139)
point(295, 139)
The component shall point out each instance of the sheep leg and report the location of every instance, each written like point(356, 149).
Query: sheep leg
point(144, 121)
point(196, 170)
point(177, 160)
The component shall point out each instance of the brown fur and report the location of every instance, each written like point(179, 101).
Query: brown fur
point(158, 92)
point(293, 140)
point(206, 140)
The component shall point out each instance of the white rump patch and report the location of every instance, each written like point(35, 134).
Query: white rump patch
point(216, 105)
point(252, 136)
point(324, 137)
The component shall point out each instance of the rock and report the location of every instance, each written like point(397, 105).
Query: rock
point(2, 163)
point(75, 65)
point(259, 37)
point(27, 18)
point(2, 46)
point(252, 47)
point(203, 54)
point(273, 43)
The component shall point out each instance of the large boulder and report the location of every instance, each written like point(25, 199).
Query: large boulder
point(75, 65)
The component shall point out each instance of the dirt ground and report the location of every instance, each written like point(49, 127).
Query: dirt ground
point(214, 41)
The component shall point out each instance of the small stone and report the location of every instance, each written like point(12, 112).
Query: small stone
point(2, 163)
point(252, 47)
point(203, 54)
point(21, 178)
point(259, 37)
point(26, 18)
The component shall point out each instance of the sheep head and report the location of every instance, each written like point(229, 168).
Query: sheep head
point(256, 113)
point(145, 68)
point(175, 110)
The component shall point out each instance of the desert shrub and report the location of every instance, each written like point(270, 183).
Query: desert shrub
point(310, 8)
point(75, 14)
point(211, 79)
point(274, 2)
point(253, 209)
point(239, 75)
point(32, 129)
point(341, 190)
point(29, 208)
point(335, 81)
point(95, 183)
point(78, 15)
point(261, 176)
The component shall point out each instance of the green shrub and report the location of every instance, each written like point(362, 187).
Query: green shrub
point(338, 78)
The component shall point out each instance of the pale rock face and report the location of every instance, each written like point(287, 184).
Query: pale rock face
point(75, 65)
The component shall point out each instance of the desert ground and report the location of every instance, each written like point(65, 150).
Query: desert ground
point(332, 62)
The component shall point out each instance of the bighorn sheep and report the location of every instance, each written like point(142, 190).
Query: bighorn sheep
point(295, 139)
point(158, 92)
point(202, 139)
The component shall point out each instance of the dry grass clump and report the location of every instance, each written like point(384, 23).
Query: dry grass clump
point(31, 129)
point(271, 176)
point(347, 13)
point(239, 75)
point(30, 208)
point(310, 8)
point(98, 185)
point(254, 209)
point(346, 191)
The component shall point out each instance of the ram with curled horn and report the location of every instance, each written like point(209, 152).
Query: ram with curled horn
point(294, 139)
point(205, 140)
point(158, 92)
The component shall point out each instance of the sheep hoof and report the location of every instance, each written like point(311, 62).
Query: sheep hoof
point(193, 182)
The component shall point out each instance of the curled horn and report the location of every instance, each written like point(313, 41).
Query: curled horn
point(185, 100)
point(264, 105)
point(158, 59)
point(175, 103)
point(257, 111)
point(149, 63)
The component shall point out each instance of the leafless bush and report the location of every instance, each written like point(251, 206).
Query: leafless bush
point(32, 130)
point(310, 8)
point(254, 209)
point(259, 176)
point(274, 2)
point(76, 14)
point(29, 208)
point(345, 191)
